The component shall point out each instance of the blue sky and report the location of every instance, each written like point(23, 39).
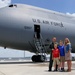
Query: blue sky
point(57, 5)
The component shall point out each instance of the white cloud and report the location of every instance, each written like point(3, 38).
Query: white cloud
point(4, 3)
point(73, 14)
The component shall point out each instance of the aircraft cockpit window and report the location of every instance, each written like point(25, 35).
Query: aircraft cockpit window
point(15, 5)
point(12, 5)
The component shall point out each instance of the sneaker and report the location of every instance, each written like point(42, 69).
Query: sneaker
point(62, 70)
point(54, 70)
point(59, 70)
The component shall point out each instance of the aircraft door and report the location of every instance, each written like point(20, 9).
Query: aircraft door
point(37, 31)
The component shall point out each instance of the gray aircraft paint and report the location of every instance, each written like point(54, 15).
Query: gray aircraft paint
point(17, 26)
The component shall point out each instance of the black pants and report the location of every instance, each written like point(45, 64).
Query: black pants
point(51, 64)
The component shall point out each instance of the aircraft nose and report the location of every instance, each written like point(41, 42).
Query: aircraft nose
point(10, 16)
point(4, 15)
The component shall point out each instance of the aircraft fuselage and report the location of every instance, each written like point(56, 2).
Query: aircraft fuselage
point(17, 26)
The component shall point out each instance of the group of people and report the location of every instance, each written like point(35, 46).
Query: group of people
point(60, 52)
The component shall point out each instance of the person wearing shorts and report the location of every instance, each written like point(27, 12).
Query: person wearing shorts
point(56, 57)
point(54, 39)
point(62, 55)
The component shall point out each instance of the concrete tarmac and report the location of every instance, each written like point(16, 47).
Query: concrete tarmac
point(29, 68)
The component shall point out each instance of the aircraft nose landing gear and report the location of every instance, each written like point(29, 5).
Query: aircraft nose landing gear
point(38, 58)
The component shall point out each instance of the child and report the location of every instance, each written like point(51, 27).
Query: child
point(62, 55)
point(56, 57)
